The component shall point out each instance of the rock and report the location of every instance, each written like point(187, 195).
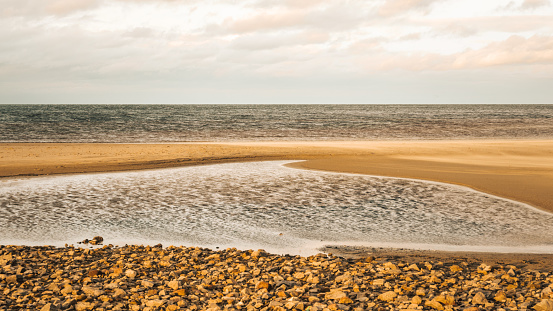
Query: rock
point(53, 287)
point(387, 296)
point(97, 240)
point(173, 284)
point(118, 292)
point(261, 285)
point(413, 267)
point(434, 304)
point(67, 289)
point(92, 291)
point(479, 299)
point(544, 305)
point(335, 294)
point(48, 307)
point(13, 279)
point(546, 293)
point(420, 292)
point(455, 268)
point(147, 284)
point(83, 306)
point(130, 273)
point(94, 272)
point(500, 296)
point(445, 300)
point(299, 275)
point(258, 253)
point(155, 303)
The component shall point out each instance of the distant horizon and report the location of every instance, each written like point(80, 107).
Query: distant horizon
point(368, 104)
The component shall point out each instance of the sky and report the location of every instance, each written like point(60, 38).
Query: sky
point(269, 51)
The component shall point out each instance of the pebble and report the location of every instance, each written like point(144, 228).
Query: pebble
point(190, 278)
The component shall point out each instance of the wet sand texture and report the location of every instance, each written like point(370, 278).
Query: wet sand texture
point(521, 170)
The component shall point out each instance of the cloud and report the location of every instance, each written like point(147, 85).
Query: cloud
point(533, 4)
point(396, 7)
point(336, 17)
point(526, 5)
point(515, 50)
point(263, 41)
point(63, 7)
point(30, 8)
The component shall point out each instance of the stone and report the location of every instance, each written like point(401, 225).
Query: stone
point(97, 240)
point(544, 305)
point(130, 273)
point(500, 296)
point(53, 287)
point(546, 293)
point(67, 289)
point(118, 292)
point(173, 284)
point(155, 303)
point(387, 296)
point(335, 294)
point(445, 300)
point(48, 307)
point(299, 275)
point(479, 299)
point(93, 273)
point(261, 285)
point(416, 300)
point(13, 279)
point(83, 306)
point(434, 305)
point(92, 291)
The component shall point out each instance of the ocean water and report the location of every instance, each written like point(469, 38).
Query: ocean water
point(265, 205)
point(179, 123)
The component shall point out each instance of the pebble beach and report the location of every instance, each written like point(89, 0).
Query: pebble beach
point(191, 278)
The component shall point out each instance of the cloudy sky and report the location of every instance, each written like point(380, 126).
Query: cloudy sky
point(289, 51)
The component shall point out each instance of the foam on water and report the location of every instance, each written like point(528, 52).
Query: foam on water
point(265, 205)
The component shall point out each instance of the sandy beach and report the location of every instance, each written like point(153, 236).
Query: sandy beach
point(521, 170)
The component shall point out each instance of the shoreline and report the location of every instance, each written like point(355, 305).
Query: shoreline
point(520, 170)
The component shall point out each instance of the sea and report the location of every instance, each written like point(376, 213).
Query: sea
point(267, 205)
point(182, 123)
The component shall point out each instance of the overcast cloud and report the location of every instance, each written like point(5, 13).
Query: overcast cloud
point(276, 51)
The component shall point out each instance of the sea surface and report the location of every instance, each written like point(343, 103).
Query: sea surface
point(266, 204)
point(180, 123)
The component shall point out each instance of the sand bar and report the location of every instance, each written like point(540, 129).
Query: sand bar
point(521, 170)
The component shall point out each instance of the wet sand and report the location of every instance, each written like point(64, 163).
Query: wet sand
point(521, 170)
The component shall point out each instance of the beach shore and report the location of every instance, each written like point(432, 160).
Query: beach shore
point(352, 278)
point(520, 170)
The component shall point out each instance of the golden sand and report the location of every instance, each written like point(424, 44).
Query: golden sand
point(521, 170)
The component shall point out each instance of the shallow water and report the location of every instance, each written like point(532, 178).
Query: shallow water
point(265, 205)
